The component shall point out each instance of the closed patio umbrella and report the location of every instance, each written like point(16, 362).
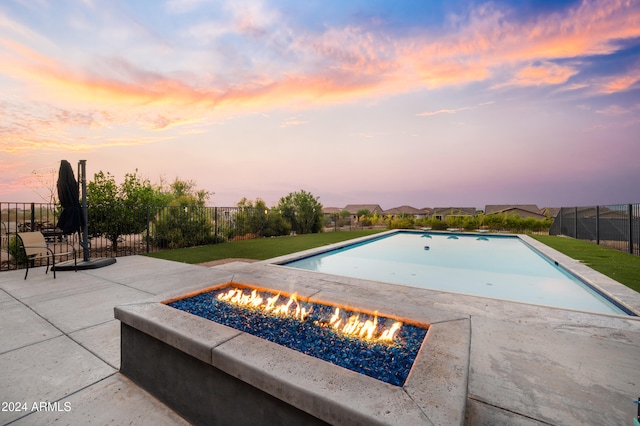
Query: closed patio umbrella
point(71, 219)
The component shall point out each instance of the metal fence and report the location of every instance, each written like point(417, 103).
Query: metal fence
point(616, 226)
point(128, 230)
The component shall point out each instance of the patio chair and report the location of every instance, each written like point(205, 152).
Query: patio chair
point(35, 247)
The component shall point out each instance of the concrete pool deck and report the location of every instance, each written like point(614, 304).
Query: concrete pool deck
point(527, 365)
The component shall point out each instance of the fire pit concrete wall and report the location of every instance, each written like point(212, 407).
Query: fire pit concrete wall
point(213, 374)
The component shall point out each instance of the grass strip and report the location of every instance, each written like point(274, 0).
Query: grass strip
point(622, 267)
point(259, 248)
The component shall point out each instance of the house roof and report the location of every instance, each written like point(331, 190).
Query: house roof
point(455, 211)
point(525, 211)
point(404, 210)
point(550, 211)
point(355, 208)
point(331, 210)
point(499, 208)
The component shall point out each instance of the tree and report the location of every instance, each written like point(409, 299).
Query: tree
point(303, 211)
point(364, 217)
point(186, 191)
point(44, 184)
point(257, 219)
point(185, 221)
point(115, 210)
point(345, 218)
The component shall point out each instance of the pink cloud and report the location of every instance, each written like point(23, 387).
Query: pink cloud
point(614, 110)
point(545, 74)
point(619, 83)
point(451, 111)
point(291, 122)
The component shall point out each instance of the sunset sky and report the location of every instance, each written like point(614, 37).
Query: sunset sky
point(422, 103)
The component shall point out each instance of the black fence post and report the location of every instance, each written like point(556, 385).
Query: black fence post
point(148, 228)
point(33, 228)
point(575, 224)
point(33, 217)
point(630, 214)
point(215, 225)
point(598, 225)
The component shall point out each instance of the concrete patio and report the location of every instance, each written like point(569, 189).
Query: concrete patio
point(528, 365)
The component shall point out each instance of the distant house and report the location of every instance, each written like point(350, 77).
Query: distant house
point(522, 210)
point(427, 211)
point(353, 209)
point(551, 212)
point(331, 210)
point(406, 211)
point(442, 213)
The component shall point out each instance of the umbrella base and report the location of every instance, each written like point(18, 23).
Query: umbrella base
point(86, 264)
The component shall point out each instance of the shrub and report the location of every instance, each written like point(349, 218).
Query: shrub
point(438, 225)
point(177, 227)
point(494, 222)
point(275, 225)
point(303, 211)
point(470, 223)
point(257, 219)
point(365, 220)
point(400, 222)
point(16, 252)
point(344, 221)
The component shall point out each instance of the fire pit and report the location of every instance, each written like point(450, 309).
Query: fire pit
point(212, 373)
point(378, 346)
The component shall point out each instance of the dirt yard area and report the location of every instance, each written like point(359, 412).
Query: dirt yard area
point(228, 260)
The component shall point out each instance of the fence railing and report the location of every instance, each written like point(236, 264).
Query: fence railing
point(116, 231)
point(616, 226)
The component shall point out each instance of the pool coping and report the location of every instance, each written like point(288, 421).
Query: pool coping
point(434, 393)
point(609, 287)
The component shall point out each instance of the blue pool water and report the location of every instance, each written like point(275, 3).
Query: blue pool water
point(499, 267)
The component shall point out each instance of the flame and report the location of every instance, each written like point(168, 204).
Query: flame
point(351, 326)
point(363, 329)
point(387, 335)
point(237, 297)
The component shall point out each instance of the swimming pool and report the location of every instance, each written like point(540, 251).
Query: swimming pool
point(498, 267)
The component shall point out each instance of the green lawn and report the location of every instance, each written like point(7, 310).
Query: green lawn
point(260, 248)
point(622, 267)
